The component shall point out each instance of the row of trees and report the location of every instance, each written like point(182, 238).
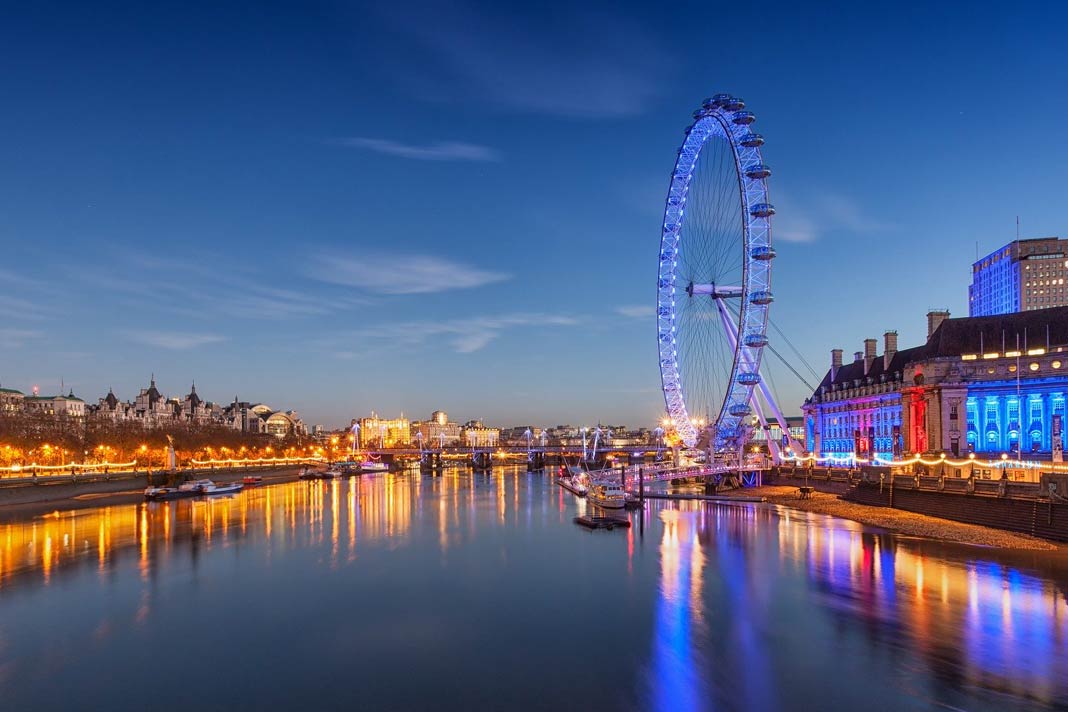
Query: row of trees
point(51, 440)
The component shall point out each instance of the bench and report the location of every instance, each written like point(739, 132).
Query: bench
point(805, 492)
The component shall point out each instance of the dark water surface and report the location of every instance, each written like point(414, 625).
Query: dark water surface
point(477, 592)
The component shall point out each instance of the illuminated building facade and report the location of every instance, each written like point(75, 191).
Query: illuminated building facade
point(62, 405)
point(994, 385)
point(11, 401)
point(475, 434)
point(385, 432)
point(437, 431)
point(1025, 275)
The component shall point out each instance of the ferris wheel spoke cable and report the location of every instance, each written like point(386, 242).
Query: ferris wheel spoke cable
point(789, 366)
point(794, 349)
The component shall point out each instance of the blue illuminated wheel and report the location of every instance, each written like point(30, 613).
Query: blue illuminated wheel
point(714, 282)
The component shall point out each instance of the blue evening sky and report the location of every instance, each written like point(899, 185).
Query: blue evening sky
point(340, 207)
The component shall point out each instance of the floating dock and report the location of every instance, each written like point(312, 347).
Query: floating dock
point(591, 522)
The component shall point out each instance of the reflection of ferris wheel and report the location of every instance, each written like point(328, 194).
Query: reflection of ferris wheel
point(713, 290)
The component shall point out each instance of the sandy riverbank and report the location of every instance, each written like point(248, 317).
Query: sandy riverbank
point(899, 521)
point(34, 500)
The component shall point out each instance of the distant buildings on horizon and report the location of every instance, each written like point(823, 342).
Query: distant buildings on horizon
point(151, 409)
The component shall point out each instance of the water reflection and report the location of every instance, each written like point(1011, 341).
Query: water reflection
point(701, 607)
point(954, 620)
point(283, 516)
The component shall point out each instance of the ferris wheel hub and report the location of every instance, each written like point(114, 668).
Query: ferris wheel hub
point(716, 291)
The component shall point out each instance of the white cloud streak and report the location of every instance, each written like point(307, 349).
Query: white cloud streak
point(464, 336)
point(402, 274)
point(636, 311)
point(822, 213)
point(174, 340)
point(440, 151)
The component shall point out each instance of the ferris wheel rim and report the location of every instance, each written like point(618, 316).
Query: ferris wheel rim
point(721, 117)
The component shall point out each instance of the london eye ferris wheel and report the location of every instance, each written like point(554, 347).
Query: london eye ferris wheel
point(714, 281)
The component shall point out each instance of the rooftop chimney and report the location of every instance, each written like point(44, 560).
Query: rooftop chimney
point(858, 356)
point(869, 354)
point(889, 348)
point(836, 362)
point(935, 317)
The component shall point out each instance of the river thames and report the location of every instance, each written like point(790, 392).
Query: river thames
point(476, 591)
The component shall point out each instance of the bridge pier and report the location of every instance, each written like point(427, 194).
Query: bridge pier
point(430, 462)
point(481, 461)
point(535, 461)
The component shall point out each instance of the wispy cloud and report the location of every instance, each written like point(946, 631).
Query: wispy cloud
point(599, 64)
point(820, 214)
point(636, 311)
point(174, 340)
point(15, 338)
point(19, 308)
point(463, 336)
point(439, 151)
point(402, 274)
point(248, 293)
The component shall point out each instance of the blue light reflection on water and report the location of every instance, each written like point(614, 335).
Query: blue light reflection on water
point(480, 585)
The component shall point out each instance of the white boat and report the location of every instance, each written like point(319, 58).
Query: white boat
point(213, 488)
point(186, 489)
point(373, 466)
point(575, 484)
point(607, 496)
point(329, 473)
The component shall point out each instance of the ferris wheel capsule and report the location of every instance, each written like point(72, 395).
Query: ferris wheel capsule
point(757, 171)
point(751, 140)
point(743, 118)
point(762, 210)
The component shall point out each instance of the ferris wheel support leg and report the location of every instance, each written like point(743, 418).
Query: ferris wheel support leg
point(731, 330)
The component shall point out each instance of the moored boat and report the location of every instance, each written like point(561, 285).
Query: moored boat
point(251, 480)
point(186, 489)
point(372, 466)
point(609, 496)
point(212, 488)
point(573, 484)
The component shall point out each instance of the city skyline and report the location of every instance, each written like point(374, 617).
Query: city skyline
point(475, 225)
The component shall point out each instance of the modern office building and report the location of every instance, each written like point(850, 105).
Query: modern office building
point(992, 385)
point(1025, 275)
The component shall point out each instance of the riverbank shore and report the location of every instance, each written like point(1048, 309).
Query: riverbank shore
point(35, 500)
point(900, 521)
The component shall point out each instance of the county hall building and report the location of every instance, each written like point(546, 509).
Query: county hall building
point(990, 385)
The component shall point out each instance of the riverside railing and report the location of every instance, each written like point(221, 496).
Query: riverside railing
point(57, 474)
point(977, 485)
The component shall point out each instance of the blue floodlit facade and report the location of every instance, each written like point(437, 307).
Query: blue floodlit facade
point(987, 385)
point(1024, 275)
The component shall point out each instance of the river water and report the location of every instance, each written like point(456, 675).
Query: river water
point(476, 591)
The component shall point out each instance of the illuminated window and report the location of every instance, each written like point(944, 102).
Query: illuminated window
point(1033, 366)
point(1056, 364)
